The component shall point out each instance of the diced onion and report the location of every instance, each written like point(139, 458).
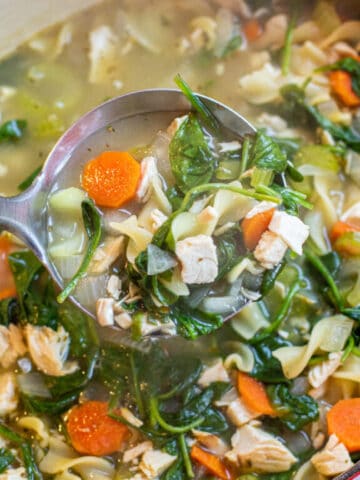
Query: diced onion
point(222, 305)
point(90, 289)
point(33, 385)
point(68, 266)
point(159, 260)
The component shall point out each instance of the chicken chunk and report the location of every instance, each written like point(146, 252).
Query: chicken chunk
point(214, 373)
point(8, 395)
point(49, 350)
point(239, 414)
point(197, 255)
point(212, 442)
point(103, 54)
point(270, 250)
point(259, 208)
point(148, 172)
point(155, 462)
point(137, 451)
point(318, 374)
point(106, 255)
point(333, 459)
point(258, 451)
point(105, 311)
point(11, 345)
point(113, 287)
point(290, 229)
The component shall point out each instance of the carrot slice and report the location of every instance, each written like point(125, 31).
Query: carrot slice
point(255, 226)
point(343, 419)
point(211, 462)
point(92, 431)
point(254, 395)
point(7, 282)
point(252, 30)
point(111, 178)
point(339, 228)
point(341, 85)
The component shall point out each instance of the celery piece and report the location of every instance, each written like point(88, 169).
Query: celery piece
point(228, 170)
point(68, 200)
point(261, 176)
point(319, 156)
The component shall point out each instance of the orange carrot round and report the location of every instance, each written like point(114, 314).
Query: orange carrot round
point(255, 226)
point(211, 462)
point(92, 431)
point(339, 228)
point(254, 395)
point(111, 178)
point(341, 85)
point(252, 30)
point(7, 282)
point(344, 420)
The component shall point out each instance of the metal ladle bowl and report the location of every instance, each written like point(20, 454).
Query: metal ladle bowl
point(26, 216)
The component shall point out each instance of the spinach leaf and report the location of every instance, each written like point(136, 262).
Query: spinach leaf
point(92, 224)
point(29, 180)
point(351, 66)
point(191, 323)
point(48, 406)
point(297, 107)
point(199, 106)
point(228, 250)
point(270, 277)
point(36, 294)
point(10, 311)
point(6, 459)
point(191, 159)
point(266, 153)
point(267, 368)
point(175, 197)
point(295, 410)
point(12, 130)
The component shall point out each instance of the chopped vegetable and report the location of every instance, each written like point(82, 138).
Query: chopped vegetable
point(341, 85)
point(352, 67)
point(252, 29)
point(7, 282)
point(344, 421)
point(12, 130)
point(267, 154)
point(210, 462)
point(339, 228)
point(253, 227)
point(348, 244)
point(288, 41)
point(92, 431)
point(254, 395)
point(111, 178)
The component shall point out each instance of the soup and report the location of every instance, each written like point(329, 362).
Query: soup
point(271, 393)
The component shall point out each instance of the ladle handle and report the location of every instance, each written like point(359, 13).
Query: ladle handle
point(21, 216)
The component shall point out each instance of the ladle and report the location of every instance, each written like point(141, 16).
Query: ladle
point(25, 215)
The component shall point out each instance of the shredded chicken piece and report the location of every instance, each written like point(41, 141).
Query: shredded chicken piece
point(8, 393)
point(49, 349)
point(103, 54)
point(318, 374)
point(270, 250)
point(212, 442)
point(155, 462)
point(333, 459)
point(291, 229)
point(199, 262)
point(239, 414)
point(258, 451)
point(105, 311)
point(137, 451)
point(11, 345)
point(106, 255)
point(14, 474)
point(124, 320)
point(214, 373)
